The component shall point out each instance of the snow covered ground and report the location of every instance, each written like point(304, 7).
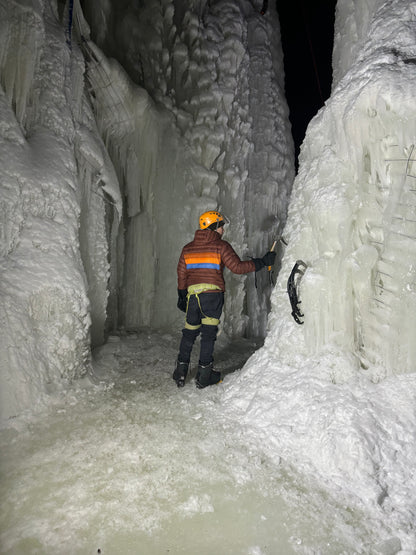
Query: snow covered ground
point(136, 465)
point(354, 437)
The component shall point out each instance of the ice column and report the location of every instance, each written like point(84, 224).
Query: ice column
point(54, 172)
point(151, 163)
point(353, 211)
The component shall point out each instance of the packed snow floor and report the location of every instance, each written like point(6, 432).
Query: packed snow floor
point(132, 464)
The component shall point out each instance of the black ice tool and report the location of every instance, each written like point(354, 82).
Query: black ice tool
point(293, 289)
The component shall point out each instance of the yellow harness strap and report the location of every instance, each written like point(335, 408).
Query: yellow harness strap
point(191, 327)
point(195, 290)
point(201, 288)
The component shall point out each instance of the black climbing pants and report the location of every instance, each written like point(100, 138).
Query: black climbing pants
point(202, 317)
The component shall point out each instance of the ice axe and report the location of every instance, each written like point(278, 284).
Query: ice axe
point(271, 250)
point(269, 268)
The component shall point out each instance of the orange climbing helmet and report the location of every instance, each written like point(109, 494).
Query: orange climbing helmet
point(212, 217)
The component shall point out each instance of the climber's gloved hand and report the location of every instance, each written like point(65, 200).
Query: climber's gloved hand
point(182, 293)
point(267, 260)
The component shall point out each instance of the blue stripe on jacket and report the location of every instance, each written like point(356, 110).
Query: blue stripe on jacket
point(203, 265)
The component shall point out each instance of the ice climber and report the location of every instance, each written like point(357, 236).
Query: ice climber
point(201, 293)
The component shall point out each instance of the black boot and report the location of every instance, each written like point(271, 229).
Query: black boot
point(180, 372)
point(202, 378)
point(206, 375)
point(215, 377)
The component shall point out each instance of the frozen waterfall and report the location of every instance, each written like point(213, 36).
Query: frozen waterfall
point(120, 122)
point(104, 179)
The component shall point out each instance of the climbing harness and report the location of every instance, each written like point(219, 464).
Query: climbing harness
point(196, 290)
point(293, 289)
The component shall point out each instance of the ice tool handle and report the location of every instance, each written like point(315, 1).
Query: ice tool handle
point(269, 268)
point(271, 250)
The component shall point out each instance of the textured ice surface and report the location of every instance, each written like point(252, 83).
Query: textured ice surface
point(334, 398)
point(135, 464)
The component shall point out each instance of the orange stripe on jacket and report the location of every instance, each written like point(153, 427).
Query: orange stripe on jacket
point(203, 260)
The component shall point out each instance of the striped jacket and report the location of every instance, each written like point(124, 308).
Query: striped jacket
point(203, 260)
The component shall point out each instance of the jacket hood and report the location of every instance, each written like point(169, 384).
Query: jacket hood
point(203, 236)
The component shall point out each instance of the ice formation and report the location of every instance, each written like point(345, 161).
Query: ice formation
point(359, 159)
point(55, 175)
point(214, 72)
point(337, 394)
point(104, 178)
point(116, 133)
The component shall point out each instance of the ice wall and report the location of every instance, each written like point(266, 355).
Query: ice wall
point(56, 181)
point(352, 220)
point(213, 73)
point(103, 180)
point(353, 210)
point(352, 25)
point(335, 397)
point(150, 162)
